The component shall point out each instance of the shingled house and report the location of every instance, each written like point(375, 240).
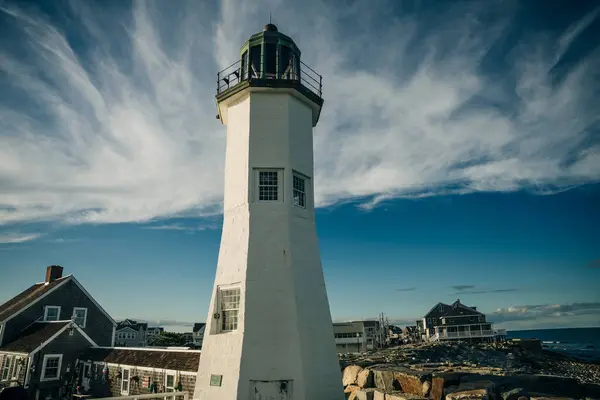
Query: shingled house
point(134, 371)
point(457, 322)
point(45, 328)
point(131, 333)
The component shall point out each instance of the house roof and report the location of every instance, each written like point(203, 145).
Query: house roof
point(129, 323)
point(34, 336)
point(36, 292)
point(160, 359)
point(457, 309)
point(435, 311)
point(28, 297)
point(198, 326)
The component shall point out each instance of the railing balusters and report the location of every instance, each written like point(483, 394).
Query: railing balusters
point(234, 75)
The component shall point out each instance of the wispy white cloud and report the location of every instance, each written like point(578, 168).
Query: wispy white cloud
point(181, 227)
point(18, 237)
point(119, 125)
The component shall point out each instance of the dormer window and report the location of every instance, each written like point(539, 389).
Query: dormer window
point(80, 316)
point(51, 313)
point(441, 308)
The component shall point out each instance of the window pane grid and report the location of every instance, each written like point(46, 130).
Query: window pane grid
point(299, 191)
point(268, 185)
point(51, 370)
point(230, 305)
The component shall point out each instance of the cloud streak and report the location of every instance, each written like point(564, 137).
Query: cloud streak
point(6, 238)
point(410, 289)
point(119, 125)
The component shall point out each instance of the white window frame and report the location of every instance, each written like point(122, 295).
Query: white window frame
point(75, 309)
point(46, 313)
point(6, 366)
point(169, 389)
point(128, 380)
point(280, 183)
point(306, 181)
point(45, 364)
point(221, 311)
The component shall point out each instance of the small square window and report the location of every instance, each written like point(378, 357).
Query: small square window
point(52, 313)
point(299, 188)
point(268, 185)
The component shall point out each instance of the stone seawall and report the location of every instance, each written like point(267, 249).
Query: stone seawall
point(461, 371)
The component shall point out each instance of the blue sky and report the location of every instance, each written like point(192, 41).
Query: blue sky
point(457, 155)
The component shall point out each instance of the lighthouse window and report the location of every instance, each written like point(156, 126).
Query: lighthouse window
point(268, 186)
point(270, 59)
point(230, 307)
point(299, 185)
point(285, 67)
point(244, 65)
point(255, 61)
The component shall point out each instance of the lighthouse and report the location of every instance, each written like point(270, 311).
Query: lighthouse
point(269, 334)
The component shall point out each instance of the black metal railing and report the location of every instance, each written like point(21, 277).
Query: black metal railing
point(301, 73)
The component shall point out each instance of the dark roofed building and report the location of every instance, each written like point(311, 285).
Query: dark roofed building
point(127, 371)
point(45, 327)
point(457, 322)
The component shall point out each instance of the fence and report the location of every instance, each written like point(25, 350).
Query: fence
point(239, 72)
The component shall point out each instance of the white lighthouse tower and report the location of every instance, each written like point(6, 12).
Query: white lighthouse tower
point(269, 334)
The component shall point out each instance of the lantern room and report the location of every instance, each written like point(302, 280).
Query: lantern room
point(270, 59)
point(270, 55)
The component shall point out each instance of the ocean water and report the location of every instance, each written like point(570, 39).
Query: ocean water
point(582, 343)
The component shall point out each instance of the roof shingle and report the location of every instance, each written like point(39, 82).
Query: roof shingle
point(160, 359)
point(27, 296)
point(33, 336)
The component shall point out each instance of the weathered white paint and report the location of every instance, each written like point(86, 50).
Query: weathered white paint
point(271, 251)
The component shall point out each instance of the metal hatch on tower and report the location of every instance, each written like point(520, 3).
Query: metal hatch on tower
point(270, 59)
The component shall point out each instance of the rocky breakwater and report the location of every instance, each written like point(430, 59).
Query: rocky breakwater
point(461, 371)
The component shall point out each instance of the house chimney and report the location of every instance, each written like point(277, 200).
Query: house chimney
point(53, 273)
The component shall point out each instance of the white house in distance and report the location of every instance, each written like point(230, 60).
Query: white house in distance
point(269, 332)
point(131, 333)
point(198, 333)
point(356, 336)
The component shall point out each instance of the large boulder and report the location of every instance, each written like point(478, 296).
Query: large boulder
point(484, 390)
point(351, 388)
point(402, 396)
point(364, 379)
point(379, 394)
point(362, 394)
point(512, 394)
point(350, 374)
point(442, 382)
point(413, 382)
point(385, 379)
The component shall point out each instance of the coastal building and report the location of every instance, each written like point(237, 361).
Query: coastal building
point(44, 329)
point(154, 331)
point(113, 372)
point(198, 333)
point(356, 336)
point(130, 333)
point(457, 322)
point(269, 332)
